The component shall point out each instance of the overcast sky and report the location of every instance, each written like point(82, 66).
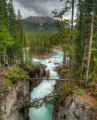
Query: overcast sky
point(37, 7)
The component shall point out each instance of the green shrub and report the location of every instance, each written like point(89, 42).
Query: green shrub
point(67, 86)
point(8, 82)
point(25, 67)
point(12, 68)
point(79, 91)
point(95, 102)
point(4, 87)
point(17, 75)
point(94, 93)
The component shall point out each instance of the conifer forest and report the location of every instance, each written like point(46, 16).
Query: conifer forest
point(38, 50)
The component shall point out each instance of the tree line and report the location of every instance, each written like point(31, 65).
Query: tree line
point(79, 34)
point(12, 37)
point(43, 43)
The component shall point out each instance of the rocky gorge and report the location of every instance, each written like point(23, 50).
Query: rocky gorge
point(71, 107)
point(19, 93)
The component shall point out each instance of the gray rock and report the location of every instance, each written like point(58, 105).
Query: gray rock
point(73, 110)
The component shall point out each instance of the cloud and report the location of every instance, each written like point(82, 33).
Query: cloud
point(37, 7)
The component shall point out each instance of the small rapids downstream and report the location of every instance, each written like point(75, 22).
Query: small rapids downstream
point(45, 88)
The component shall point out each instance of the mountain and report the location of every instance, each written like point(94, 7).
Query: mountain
point(40, 20)
point(39, 25)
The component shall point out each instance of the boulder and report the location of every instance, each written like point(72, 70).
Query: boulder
point(41, 72)
point(48, 73)
point(44, 66)
point(56, 63)
point(50, 61)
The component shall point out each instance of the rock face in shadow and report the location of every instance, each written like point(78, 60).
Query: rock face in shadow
point(38, 71)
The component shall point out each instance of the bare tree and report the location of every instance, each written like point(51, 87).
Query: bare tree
point(90, 44)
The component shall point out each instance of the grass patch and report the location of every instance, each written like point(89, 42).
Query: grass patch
point(79, 91)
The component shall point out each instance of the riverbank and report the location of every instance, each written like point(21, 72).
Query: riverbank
point(58, 47)
point(48, 55)
point(45, 56)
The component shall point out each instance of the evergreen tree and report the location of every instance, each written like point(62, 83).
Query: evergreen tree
point(83, 27)
point(11, 33)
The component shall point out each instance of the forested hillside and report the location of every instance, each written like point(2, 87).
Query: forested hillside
point(38, 25)
point(61, 86)
point(11, 33)
point(44, 43)
point(80, 40)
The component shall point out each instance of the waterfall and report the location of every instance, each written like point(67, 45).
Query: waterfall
point(45, 88)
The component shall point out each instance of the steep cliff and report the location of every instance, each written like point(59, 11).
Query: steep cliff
point(19, 93)
point(75, 108)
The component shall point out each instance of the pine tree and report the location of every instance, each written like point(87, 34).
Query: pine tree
point(11, 33)
point(82, 37)
point(13, 30)
point(20, 36)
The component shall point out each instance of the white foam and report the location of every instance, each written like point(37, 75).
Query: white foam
point(45, 88)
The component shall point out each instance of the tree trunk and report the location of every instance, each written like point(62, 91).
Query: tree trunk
point(90, 44)
point(4, 59)
point(72, 14)
point(83, 62)
point(71, 40)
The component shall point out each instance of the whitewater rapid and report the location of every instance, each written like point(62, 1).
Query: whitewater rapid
point(45, 88)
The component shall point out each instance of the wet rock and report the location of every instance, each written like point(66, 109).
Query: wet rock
point(44, 73)
point(41, 72)
point(50, 61)
point(44, 66)
point(58, 68)
point(56, 63)
point(48, 73)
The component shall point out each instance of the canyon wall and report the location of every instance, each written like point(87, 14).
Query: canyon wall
point(19, 93)
point(73, 106)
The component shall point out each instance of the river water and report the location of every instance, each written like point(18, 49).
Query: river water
point(45, 88)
